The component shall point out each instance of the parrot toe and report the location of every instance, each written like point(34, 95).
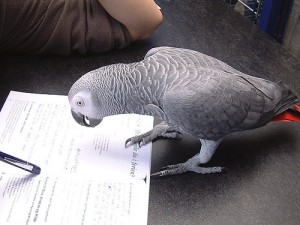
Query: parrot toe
point(179, 168)
point(134, 140)
point(191, 165)
point(160, 130)
point(128, 142)
point(142, 139)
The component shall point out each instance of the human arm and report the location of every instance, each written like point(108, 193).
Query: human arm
point(140, 17)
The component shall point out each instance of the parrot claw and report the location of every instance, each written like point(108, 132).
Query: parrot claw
point(178, 169)
point(160, 130)
point(135, 140)
point(191, 165)
point(128, 142)
point(141, 143)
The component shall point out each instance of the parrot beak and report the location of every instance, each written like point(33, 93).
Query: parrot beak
point(84, 120)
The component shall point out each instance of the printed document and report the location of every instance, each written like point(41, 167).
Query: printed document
point(87, 174)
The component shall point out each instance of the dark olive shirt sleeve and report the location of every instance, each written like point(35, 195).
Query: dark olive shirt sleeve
point(59, 26)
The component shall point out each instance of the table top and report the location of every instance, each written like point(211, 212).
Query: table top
point(262, 184)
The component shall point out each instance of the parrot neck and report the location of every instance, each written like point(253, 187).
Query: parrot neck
point(132, 89)
point(122, 88)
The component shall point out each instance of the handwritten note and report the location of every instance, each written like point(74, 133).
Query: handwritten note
point(88, 176)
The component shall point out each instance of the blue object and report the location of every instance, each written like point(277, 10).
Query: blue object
point(274, 17)
point(24, 165)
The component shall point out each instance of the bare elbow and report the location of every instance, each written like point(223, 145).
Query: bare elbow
point(146, 29)
point(152, 26)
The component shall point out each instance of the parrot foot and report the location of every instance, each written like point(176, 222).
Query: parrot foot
point(160, 130)
point(191, 165)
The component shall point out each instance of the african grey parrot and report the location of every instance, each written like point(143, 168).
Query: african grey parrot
point(189, 91)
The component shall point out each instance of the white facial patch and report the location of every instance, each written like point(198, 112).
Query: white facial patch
point(82, 103)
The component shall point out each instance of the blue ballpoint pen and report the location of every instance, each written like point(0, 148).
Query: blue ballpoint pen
point(24, 165)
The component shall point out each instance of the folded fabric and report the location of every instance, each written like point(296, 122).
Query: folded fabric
point(59, 26)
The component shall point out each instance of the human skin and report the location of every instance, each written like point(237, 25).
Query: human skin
point(140, 17)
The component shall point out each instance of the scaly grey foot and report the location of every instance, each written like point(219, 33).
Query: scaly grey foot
point(191, 165)
point(160, 130)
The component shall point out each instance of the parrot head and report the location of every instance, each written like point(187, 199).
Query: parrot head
point(83, 108)
point(91, 98)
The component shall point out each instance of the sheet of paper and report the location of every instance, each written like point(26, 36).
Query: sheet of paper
point(71, 200)
point(41, 130)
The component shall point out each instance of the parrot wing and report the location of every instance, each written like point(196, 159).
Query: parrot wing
point(208, 98)
point(226, 103)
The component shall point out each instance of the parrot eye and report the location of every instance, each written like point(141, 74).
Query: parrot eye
point(79, 103)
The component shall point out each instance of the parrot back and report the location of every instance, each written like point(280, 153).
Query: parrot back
point(206, 97)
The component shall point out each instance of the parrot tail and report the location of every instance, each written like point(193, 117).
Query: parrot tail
point(289, 115)
point(288, 99)
point(286, 110)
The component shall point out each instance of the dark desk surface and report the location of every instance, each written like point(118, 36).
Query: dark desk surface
point(262, 185)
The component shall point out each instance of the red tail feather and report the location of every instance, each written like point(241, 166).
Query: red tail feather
point(290, 115)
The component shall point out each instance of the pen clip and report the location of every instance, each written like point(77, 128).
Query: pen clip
point(24, 165)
